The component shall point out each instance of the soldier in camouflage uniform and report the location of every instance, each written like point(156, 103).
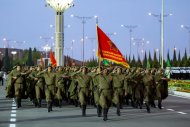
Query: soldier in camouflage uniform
point(49, 78)
point(118, 85)
point(83, 87)
point(39, 83)
point(17, 76)
point(60, 84)
point(106, 90)
point(148, 84)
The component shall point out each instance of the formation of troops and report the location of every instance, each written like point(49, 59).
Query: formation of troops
point(102, 87)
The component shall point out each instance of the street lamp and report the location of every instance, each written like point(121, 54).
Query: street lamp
point(46, 48)
point(60, 6)
point(84, 20)
point(160, 18)
point(139, 42)
point(188, 30)
point(130, 27)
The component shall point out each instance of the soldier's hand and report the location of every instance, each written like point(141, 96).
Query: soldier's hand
point(35, 78)
point(14, 77)
point(126, 93)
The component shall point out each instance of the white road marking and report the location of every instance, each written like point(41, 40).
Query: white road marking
point(170, 110)
point(12, 125)
point(13, 120)
point(13, 111)
point(13, 115)
point(183, 113)
point(13, 107)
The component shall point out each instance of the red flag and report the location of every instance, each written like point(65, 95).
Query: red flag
point(52, 59)
point(108, 50)
point(41, 61)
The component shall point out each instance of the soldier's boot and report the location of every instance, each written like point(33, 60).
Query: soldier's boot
point(49, 106)
point(60, 103)
point(159, 103)
point(99, 110)
point(76, 103)
point(153, 104)
point(83, 110)
point(19, 102)
point(39, 103)
point(118, 109)
point(147, 108)
point(140, 105)
point(35, 102)
point(105, 112)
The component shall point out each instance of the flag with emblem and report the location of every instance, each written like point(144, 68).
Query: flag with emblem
point(108, 50)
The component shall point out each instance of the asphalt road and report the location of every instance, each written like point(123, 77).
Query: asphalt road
point(175, 113)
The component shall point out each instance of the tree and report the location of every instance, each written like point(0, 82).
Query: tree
point(6, 61)
point(145, 60)
point(184, 59)
point(35, 55)
point(139, 64)
point(29, 60)
point(179, 59)
point(174, 61)
point(150, 59)
point(133, 62)
point(155, 63)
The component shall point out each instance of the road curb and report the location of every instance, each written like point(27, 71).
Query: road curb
point(179, 94)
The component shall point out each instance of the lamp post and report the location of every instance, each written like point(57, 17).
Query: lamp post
point(139, 42)
point(130, 27)
point(84, 20)
point(160, 18)
point(188, 30)
point(47, 48)
point(60, 6)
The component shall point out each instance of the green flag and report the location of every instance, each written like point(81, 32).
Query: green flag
point(148, 64)
point(168, 64)
point(106, 62)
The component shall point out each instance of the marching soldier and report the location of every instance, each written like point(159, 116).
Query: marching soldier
point(148, 84)
point(49, 78)
point(118, 85)
point(106, 90)
point(18, 84)
point(84, 83)
point(38, 84)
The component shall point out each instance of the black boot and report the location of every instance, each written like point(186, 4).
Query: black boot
point(160, 104)
point(99, 110)
point(49, 106)
point(17, 103)
point(83, 110)
point(147, 108)
point(60, 103)
point(118, 109)
point(39, 102)
point(105, 112)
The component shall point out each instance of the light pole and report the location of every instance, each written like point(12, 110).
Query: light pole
point(130, 27)
point(139, 42)
point(72, 42)
point(47, 48)
point(60, 6)
point(188, 30)
point(84, 20)
point(92, 39)
point(160, 18)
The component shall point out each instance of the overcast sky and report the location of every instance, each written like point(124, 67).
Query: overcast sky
point(27, 20)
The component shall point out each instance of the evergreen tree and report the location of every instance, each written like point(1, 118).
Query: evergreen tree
point(145, 60)
point(133, 62)
point(139, 64)
point(174, 61)
point(150, 59)
point(155, 63)
point(179, 59)
point(184, 59)
point(129, 61)
point(6, 61)
point(29, 60)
